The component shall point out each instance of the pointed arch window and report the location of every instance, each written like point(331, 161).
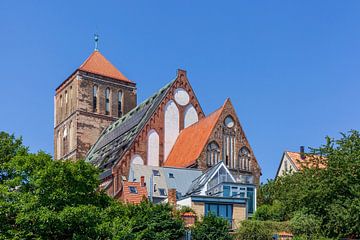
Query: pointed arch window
point(212, 153)
point(66, 102)
point(65, 137)
point(244, 159)
point(95, 92)
point(120, 100)
point(107, 101)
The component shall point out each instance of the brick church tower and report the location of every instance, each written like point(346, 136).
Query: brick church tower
point(89, 100)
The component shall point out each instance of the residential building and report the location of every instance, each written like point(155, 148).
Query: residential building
point(292, 162)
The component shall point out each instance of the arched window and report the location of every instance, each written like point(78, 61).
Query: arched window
point(107, 101)
point(70, 136)
point(95, 91)
point(71, 98)
point(66, 102)
point(65, 141)
point(58, 149)
point(120, 99)
point(244, 159)
point(212, 153)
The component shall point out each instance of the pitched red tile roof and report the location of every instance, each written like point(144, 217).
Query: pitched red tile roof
point(134, 198)
point(96, 63)
point(191, 141)
point(310, 160)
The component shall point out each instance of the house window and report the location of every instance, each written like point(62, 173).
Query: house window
point(107, 101)
point(251, 200)
point(212, 153)
point(244, 159)
point(162, 192)
point(133, 190)
point(286, 166)
point(95, 91)
point(65, 140)
point(156, 173)
point(120, 99)
point(220, 210)
point(171, 175)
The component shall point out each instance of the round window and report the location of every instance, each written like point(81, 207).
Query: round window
point(229, 122)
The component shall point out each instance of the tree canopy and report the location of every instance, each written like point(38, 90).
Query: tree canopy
point(330, 195)
point(45, 199)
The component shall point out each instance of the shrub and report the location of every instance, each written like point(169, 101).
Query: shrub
point(274, 212)
point(211, 227)
point(305, 225)
point(260, 230)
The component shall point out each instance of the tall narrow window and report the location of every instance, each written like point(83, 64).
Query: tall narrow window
point(66, 102)
point(212, 153)
point(95, 90)
point(107, 101)
point(65, 141)
point(244, 159)
point(70, 136)
point(120, 98)
point(71, 98)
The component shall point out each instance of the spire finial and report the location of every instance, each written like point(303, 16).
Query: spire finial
point(96, 39)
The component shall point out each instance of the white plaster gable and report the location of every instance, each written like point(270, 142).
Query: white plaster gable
point(153, 148)
point(191, 116)
point(290, 166)
point(171, 128)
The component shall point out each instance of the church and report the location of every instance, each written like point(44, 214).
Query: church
point(97, 118)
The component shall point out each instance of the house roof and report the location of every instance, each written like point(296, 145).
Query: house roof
point(192, 140)
point(181, 178)
point(130, 197)
point(117, 137)
point(310, 160)
point(96, 63)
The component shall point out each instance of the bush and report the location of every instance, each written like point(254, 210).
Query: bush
point(211, 227)
point(260, 230)
point(274, 212)
point(305, 225)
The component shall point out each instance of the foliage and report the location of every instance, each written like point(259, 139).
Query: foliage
point(332, 193)
point(45, 199)
point(260, 230)
point(185, 209)
point(305, 225)
point(274, 212)
point(211, 227)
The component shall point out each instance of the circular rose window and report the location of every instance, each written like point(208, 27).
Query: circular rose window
point(229, 122)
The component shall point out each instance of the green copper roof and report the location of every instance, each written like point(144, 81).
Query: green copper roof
point(116, 138)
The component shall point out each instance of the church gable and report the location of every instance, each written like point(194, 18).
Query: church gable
point(218, 137)
point(147, 133)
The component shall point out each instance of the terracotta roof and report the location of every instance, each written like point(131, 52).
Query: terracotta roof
point(96, 63)
point(310, 160)
point(191, 141)
point(135, 198)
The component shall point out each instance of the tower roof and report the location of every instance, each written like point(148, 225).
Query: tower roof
point(96, 63)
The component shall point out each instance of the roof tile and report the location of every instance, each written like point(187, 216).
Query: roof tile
point(96, 63)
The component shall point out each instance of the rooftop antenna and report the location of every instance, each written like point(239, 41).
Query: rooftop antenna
point(96, 39)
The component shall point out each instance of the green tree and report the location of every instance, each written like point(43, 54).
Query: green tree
point(211, 227)
point(331, 193)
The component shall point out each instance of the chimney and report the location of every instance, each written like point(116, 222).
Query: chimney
point(172, 196)
point(142, 181)
point(302, 152)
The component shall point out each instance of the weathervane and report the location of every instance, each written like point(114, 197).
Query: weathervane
point(96, 39)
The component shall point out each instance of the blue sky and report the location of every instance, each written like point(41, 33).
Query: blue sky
point(291, 68)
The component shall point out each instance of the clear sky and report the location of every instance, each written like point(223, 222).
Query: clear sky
point(291, 68)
